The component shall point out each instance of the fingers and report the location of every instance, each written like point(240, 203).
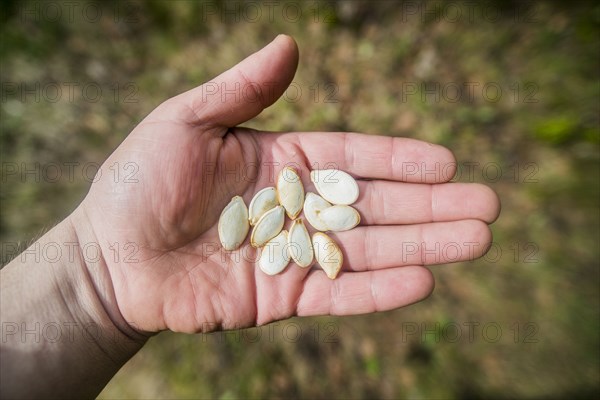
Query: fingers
point(379, 157)
point(364, 292)
point(393, 203)
point(378, 247)
point(383, 274)
point(243, 91)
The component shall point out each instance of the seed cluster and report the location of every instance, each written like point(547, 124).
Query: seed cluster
point(330, 210)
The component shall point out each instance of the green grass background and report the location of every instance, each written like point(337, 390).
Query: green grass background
point(532, 303)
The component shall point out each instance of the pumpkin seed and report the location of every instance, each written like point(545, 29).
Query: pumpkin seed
point(262, 202)
point(267, 227)
point(300, 246)
point(328, 254)
point(339, 218)
point(335, 186)
point(233, 224)
point(290, 192)
point(313, 205)
point(274, 256)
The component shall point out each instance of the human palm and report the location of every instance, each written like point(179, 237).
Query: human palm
point(185, 162)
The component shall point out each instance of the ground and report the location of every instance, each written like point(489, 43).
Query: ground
point(511, 87)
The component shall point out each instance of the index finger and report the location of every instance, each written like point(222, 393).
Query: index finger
point(378, 157)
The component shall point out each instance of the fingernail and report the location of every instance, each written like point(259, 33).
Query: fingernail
point(277, 37)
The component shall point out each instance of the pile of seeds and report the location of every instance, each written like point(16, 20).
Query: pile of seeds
point(330, 210)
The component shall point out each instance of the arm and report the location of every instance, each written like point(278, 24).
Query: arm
point(58, 337)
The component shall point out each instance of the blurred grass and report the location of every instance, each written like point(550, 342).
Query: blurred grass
point(539, 283)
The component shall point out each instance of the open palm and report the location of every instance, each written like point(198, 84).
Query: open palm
point(155, 206)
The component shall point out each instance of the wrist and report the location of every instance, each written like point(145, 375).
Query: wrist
point(61, 331)
point(97, 298)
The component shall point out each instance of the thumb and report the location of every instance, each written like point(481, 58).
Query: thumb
point(243, 91)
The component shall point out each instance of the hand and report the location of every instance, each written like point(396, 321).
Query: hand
point(189, 160)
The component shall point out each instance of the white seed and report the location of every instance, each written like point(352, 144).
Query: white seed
point(233, 224)
point(328, 254)
point(335, 186)
point(313, 205)
point(267, 227)
point(290, 192)
point(339, 218)
point(274, 256)
point(262, 202)
point(299, 244)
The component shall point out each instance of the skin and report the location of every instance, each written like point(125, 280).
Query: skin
point(177, 276)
